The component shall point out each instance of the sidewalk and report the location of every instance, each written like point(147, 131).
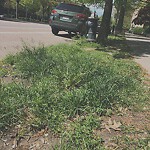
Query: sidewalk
point(141, 50)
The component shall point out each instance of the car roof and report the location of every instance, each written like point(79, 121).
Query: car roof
point(71, 7)
point(82, 5)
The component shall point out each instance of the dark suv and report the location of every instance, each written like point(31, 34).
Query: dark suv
point(69, 17)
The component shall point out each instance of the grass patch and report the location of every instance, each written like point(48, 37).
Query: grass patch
point(125, 142)
point(117, 46)
point(64, 82)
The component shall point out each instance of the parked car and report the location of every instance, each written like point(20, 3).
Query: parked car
point(69, 17)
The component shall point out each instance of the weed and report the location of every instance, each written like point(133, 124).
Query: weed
point(66, 81)
point(125, 142)
point(10, 59)
point(82, 42)
point(81, 135)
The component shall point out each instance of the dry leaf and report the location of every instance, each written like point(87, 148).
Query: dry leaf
point(41, 133)
point(15, 144)
point(110, 121)
point(42, 140)
point(116, 126)
point(112, 125)
point(107, 127)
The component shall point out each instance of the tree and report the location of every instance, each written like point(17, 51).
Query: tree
point(122, 10)
point(105, 24)
point(44, 4)
point(130, 9)
point(17, 4)
point(9, 6)
point(143, 16)
point(2, 6)
point(27, 4)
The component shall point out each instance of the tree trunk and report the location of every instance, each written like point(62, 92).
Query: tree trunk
point(43, 13)
point(26, 12)
point(105, 24)
point(16, 10)
point(119, 26)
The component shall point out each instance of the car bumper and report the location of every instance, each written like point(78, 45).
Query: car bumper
point(66, 26)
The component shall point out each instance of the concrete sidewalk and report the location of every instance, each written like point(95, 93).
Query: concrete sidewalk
point(141, 50)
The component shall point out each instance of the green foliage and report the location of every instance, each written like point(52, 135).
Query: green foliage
point(138, 30)
point(143, 16)
point(82, 42)
point(64, 82)
point(146, 30)
point(3, 70)
point(10, 59)
point(82, 135)
point(126, 142)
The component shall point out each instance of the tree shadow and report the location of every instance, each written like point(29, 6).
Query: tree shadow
point(68, 36)
point(139, 48)
point(132, 46)
point(117, 47)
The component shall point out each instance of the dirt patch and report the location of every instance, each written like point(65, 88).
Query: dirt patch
point(132, 125)
point(38, 141)
point(114, 131)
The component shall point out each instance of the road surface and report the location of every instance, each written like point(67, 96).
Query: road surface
point(141, 50)
point(13, 35)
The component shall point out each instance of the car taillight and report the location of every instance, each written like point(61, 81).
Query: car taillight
point(81, 16)
point(54, 11)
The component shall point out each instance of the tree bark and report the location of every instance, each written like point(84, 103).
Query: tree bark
point(119, 27)
point(26, 12)
point(105, 24)
point(43, 12)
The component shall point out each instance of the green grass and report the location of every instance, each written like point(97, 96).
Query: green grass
point(64, 81)
point(126, 142)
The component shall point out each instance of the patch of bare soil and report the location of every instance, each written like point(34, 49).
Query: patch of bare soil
point(42, 140)
point(131, 126)
point(115, 130)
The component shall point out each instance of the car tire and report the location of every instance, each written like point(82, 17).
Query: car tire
point(55, 31)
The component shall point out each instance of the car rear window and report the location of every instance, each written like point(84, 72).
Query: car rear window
point(70, 7)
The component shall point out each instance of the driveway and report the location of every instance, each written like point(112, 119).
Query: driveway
point(13, 35)
point(141, 50)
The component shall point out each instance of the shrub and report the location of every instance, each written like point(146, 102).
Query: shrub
point(147, 30)
point(138, 30)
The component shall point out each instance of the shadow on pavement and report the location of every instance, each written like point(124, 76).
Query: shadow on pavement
point(69, 36)
point(139, 47)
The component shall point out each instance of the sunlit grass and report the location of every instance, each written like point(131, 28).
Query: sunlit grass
point(65, 81)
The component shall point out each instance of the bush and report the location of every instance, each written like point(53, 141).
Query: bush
point(146, 30)
point(138, 30)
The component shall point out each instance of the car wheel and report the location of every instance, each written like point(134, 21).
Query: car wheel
point(55, 31)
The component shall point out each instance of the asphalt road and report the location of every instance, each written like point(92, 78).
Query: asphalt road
point(141, 50)
point(14, 35)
